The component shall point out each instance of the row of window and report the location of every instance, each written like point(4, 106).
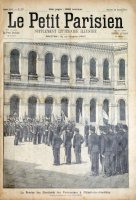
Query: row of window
point(32, 62)
point(32, 102)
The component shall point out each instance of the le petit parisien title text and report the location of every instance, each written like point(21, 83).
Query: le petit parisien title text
point(69, 20)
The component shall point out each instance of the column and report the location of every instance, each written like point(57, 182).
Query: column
point(72, 72)
point(56, 70)
point(72, 108)
point(40, 108)
point(24, 68)
point(23, 107)
point(86, 110)
point(41, 70)
point(57, 106)
point(7, 67)
point(86, 73)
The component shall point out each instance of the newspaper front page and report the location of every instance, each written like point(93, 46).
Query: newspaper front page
point(68, 100)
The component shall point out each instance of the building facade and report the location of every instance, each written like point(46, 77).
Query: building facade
point(83, 81)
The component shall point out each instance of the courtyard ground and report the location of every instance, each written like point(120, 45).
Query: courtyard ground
point(31, 166)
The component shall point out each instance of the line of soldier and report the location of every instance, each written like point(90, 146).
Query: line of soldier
point(110, 148)
point(53, 134)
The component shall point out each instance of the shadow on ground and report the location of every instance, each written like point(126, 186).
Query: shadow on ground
point(25, 175)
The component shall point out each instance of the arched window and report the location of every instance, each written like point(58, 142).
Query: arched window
point(48, 64)
point(79, 63)
point(122, 110)
point(106, 70)
point(32, 101)
point(106, 106)
point(122, 69)
point(92, 68)
point(32, 57)
point(14, 105)
point(93, 110)
point(14, 61)
point(79, 103)
point(48, 106)
point(64, 106)
point(64, 66)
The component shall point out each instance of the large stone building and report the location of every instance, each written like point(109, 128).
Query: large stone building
point(79, 79)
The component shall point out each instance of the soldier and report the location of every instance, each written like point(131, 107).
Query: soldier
point(77, 142)
point(46, 132)
point(56, 143)
point(68, 144)
point(35, 133)
point(108, 153)
point(124, 154)
point(119, 148)
point(50, 134)
point(40, 134)
point(125, 128)
point(93, 149)
point(101, 141)
point(31, 132)
point(86, 133)
point(25, 130)
point(17, 133)
point(21, 132)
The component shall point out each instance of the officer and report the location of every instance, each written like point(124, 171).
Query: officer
point(125, 128)
point(108, 153)
point(56, 143)
point(21, 132)
point(101, 142)
point(93, 149)
point(25, 130)
point(119, 149)
point(31, 132)
point(124, 154)
point(17, 133)
point(77, 142)
point(86, 133)
point(35, 133)
point(68, 144)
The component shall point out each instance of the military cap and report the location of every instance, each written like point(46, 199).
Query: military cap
point(125, 127)
point(103, 128)
point(77, 130)
point(92, 128)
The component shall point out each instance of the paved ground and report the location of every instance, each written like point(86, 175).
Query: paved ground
point(30, 166)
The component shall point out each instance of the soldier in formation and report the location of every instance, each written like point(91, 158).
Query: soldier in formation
point(77, 142)
point(110, 147)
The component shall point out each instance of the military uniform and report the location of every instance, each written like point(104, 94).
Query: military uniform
point(17, 134)
point(77, 142)
point(93, 149)
point(126, 149)
point(56, 143)
point(108, 151)
point(68, 144)
point(25, 131)
point(35, 135)
point(31, 132)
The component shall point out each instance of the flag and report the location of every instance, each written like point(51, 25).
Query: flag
point(105, 117)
